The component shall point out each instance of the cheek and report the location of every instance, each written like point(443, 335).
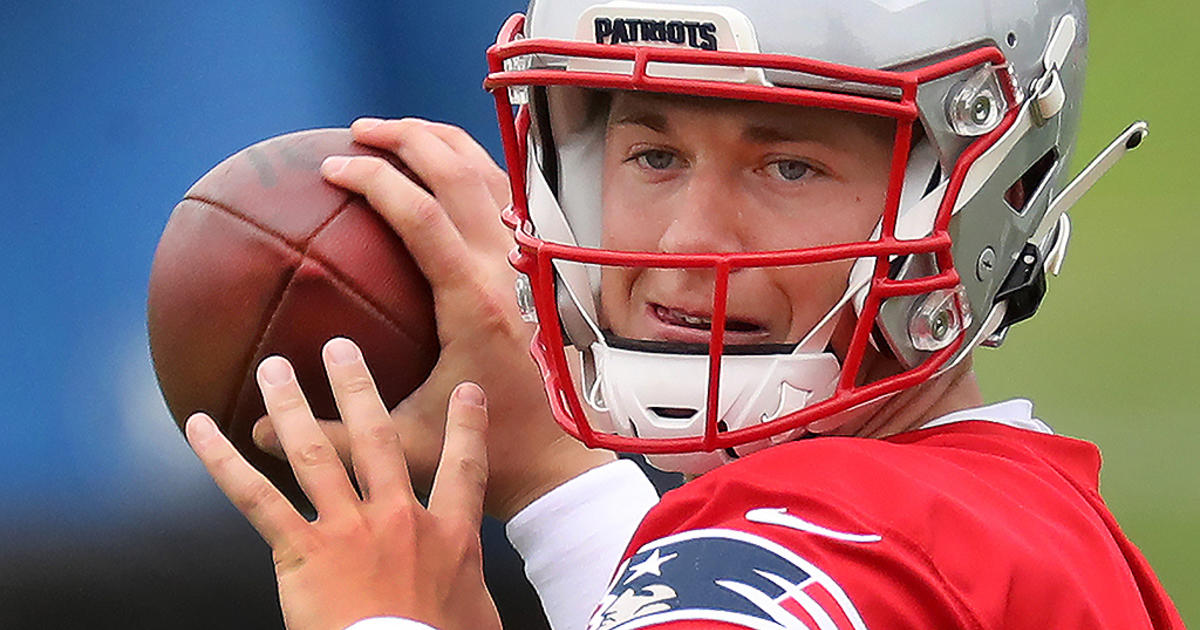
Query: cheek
point(616, 287)
point(628, 225)
point(828, 214)
point(618, 211)
point(620, 232)
point(811, 291)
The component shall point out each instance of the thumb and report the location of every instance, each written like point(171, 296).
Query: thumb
point(267, 440)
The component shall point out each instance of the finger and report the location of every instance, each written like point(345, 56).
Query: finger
point(466, 146)
point(459, 183)
point(421, 440)
point(461, 480)
point(267, 440)
point(378, 456)
point(310, 453)
point(260, 502)
point(431, 237)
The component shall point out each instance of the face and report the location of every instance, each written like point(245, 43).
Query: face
point(691, 175)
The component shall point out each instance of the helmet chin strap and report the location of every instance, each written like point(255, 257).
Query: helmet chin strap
point(659, 395)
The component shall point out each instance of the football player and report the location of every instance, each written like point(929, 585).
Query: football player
point(760, 241)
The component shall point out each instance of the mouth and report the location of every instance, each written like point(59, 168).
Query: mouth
point(692, 320)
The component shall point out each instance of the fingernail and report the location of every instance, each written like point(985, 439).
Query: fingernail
point(366, 123)
point(470, 393)
point(201, 426)
point(334, 164)
point(275, 371)
point(264, 436)
point(342, 351)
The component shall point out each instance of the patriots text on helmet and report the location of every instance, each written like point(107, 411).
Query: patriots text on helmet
point(701, 35)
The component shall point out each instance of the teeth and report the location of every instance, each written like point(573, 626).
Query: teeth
point(684, 319)
point(681, 318)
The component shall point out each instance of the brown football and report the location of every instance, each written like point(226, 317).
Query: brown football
point(263, 257)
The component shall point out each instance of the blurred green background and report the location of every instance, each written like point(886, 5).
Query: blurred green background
point(1114, 354)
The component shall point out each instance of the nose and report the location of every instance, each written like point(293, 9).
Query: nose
point(706, 216)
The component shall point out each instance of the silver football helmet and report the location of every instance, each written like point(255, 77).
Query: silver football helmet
point(985, 98)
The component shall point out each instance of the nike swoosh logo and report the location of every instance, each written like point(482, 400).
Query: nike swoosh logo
point(780, 516)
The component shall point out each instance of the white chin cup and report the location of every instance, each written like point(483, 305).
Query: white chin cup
point(654, 395)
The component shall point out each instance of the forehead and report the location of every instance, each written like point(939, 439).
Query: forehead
point(672, 112)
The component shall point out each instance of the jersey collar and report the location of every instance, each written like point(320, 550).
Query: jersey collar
point(1016, 413)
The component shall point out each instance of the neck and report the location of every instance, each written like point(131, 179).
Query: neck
point(955, 390)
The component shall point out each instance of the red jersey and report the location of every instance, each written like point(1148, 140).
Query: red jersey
point(967, 525)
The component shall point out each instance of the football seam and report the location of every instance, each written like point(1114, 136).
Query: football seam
point(247, 365)
point(304, 254)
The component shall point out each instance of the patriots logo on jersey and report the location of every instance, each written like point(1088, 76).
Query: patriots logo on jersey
point(723, 575)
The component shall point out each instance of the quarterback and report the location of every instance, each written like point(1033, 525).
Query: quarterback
point(756, 242)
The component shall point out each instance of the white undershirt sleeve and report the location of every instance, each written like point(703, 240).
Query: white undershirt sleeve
point(572, 538)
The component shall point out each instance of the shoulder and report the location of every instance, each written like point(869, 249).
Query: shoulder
point(929, 530)
point(916, 485)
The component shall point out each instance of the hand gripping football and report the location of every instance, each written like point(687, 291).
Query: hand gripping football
point(264, 257)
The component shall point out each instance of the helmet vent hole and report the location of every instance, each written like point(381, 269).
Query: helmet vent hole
point(1030, 184)
point(673, 413)
point(1012, 39)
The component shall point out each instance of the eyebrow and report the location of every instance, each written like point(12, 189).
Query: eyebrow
point(650, 120)
point(762, 134)
point(766, 134)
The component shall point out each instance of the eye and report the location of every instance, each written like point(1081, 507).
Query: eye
point(656, 159)
point(790, 170)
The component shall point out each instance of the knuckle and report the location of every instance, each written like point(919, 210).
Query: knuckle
point(425, 211)
point(405, 128)
point(470, 424)
point(410, 124)
point(316, 454)
point(256, 497)
point(356, 385)
point(383, 435)
point(461, 173)
point(448, 128)
point(470, 545)
point(498, 180)
point(473, 471)
point(289, 402)
point(491, 313)
point(399, 517)
point(371, 166)
point(372, 172)
point(465, 543)
point(223, 462)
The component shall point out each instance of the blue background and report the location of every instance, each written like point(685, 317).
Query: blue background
point(109, 111)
